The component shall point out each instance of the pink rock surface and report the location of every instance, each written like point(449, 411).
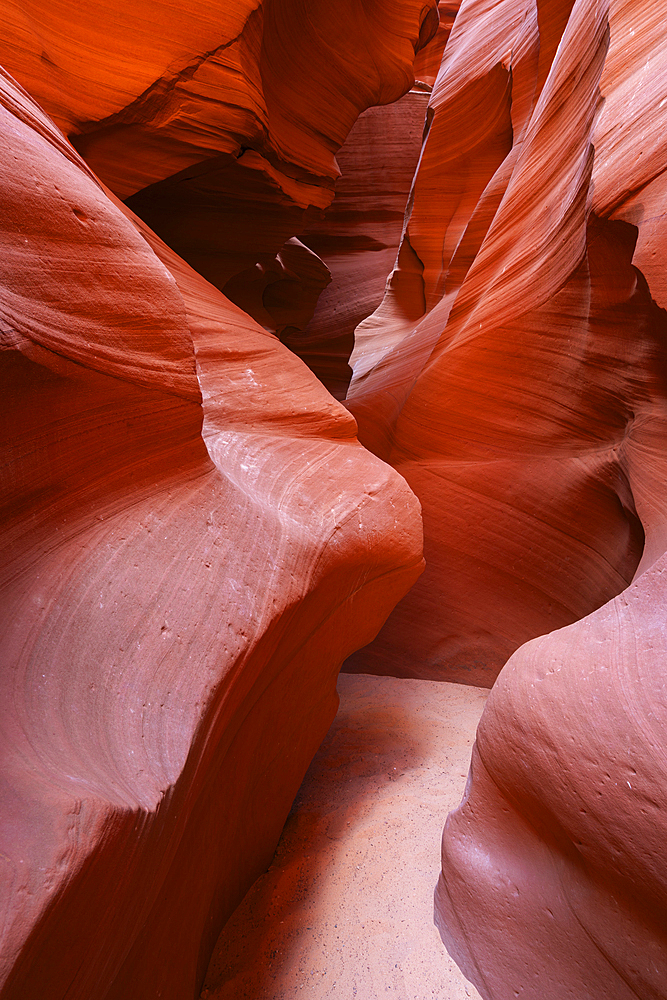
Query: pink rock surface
point(192, 541)
point(192, 536)
point(553, 878)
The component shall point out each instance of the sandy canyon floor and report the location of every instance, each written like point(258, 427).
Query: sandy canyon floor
point(345, 909)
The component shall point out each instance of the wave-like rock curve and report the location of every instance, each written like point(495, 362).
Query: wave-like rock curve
point(193, 540)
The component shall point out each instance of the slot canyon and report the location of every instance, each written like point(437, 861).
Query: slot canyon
point(333, 627)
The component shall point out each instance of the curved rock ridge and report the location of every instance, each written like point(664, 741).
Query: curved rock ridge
point(192, 541)
point(357, 237)
point(150, 90)
point(553, 882)
point(631, 183)
point(498, 375)
point(220, 126)
point(553, 878)
point(427, 63)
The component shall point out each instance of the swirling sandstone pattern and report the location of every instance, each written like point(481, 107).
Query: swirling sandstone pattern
point(553, 878)
point(203, 120)
point(499, 374)
point(193, 540)
point(150, 90)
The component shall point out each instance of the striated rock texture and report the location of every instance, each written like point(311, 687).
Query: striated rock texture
point(516, 340)
point(193, 538)
point(220, 129)
point(161, 89)
point(192, 541)
point(553, 882)
point(359, 234)
point(315, 308)
point(427, 63)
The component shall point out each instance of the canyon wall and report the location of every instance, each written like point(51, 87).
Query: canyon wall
point(499, 374)
point(531, 421)
point(193, 539)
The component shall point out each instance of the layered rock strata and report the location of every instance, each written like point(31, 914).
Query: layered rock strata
point(192, 542)
point(206, 126)
point(193, 538)
point(146, 91)
point(359, 234)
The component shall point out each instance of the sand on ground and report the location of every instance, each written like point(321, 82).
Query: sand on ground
point(346, 908)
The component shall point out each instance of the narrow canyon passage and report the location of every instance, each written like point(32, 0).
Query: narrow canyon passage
point(345, 910)
point(333, 337)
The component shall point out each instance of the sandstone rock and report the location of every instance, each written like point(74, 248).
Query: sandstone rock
point(192, 542)
point(427, 63)
point(150, 90)
point(553, 884)
point(193, 539)
point(359, 235)
point(497, 375)
point(553, 878)
point(206, 124)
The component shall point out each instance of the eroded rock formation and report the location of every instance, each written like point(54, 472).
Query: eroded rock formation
point(499, 374)
point(221, 130)
point(193, 540)
point(553, 883)
point(359, 235)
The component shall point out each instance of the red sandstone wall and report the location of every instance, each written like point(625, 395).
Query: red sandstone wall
point(500, 373)
point(193, 539)
point(528, 405)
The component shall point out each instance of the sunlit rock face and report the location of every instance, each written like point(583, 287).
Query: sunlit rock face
point(192, 542)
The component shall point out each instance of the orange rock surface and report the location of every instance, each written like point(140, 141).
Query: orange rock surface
point(193, 538)
point(499, 375)
point(205, 123)
point(529, 414)
point(148, 90)
point(358, 237)
point(192, 542)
